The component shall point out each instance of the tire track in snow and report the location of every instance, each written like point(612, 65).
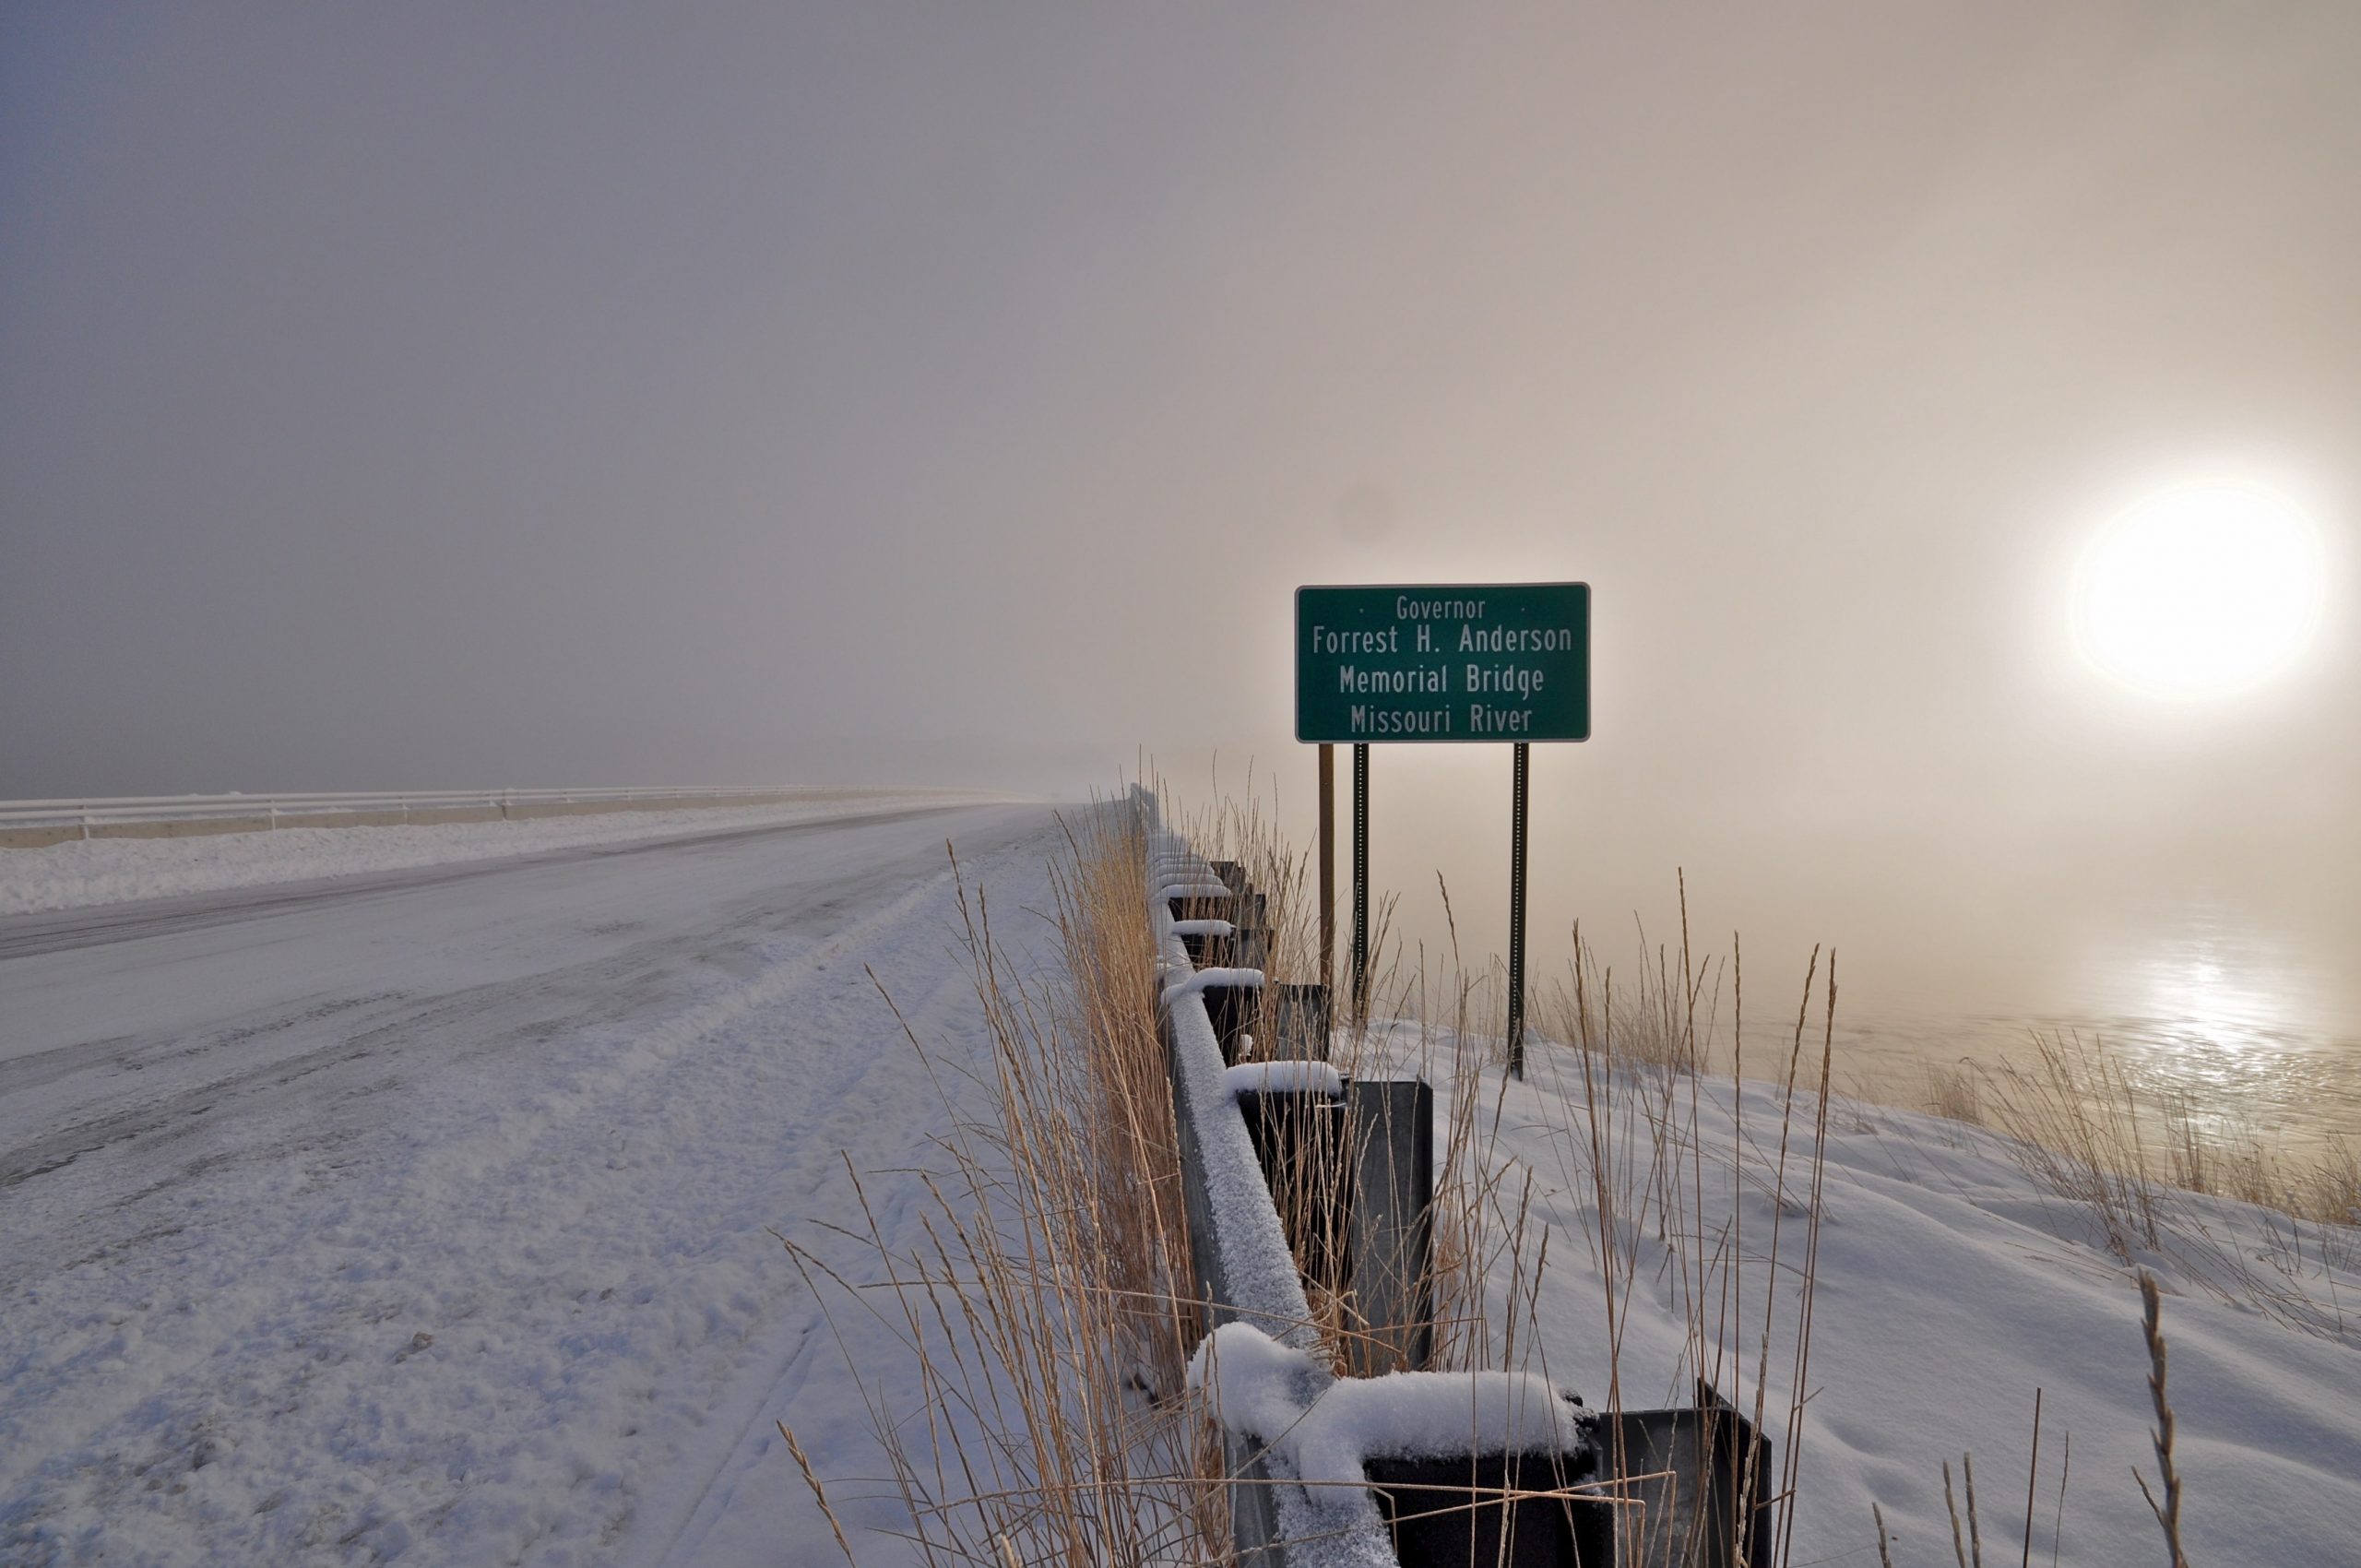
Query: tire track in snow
point(494, 1328)
point(751, 1500)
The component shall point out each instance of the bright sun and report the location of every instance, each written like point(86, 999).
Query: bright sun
point(2200, 590)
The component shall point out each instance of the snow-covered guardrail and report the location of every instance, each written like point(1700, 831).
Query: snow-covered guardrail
point(1246, 1271)
point(1365, 1469)
point(1328, 1470)
point(29, 824)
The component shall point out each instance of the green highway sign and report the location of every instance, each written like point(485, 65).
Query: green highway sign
point(1488, 661)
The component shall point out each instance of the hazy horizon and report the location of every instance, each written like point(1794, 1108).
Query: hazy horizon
point(442, 397)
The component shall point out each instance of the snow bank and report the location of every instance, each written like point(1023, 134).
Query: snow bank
point(1951, 1288)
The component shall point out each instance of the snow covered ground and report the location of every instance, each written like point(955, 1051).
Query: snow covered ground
point(81, 873)
point(426, 1215)
point(422, 1214)
point(1950, 1289)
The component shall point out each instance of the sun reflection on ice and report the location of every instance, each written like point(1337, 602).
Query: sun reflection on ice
point(2204, 1005)
point(2199, 999)
point(2216, 1019)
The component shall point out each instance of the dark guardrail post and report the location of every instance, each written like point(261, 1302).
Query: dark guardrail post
point(1390, 1129)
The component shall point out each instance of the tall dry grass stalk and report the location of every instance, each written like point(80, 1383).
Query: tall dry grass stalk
point(1245, 830)
point(1621, 1082)
point(1306, 1185)
point(1047, 1311)
point(1658, 1181)
point(1623, 1067)
point(1633, 1053)
point(2168, 1514)
point(1951, 1506)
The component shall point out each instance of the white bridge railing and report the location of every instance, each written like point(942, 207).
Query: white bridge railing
point(271, 810)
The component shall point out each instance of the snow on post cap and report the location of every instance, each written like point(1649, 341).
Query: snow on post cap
point(1204, 928)
point(1422, 1415)
point(1258, 1387)
point(1249, 979)
point(1283, 1077)
point(1263, 1391)
point(1191, 890)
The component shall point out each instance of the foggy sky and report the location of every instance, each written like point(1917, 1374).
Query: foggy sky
point(450, 395)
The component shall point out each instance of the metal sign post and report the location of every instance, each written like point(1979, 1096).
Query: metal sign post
point(1360, 883)
point(1327, 868)
point(1442, 663)
point(1519, 791)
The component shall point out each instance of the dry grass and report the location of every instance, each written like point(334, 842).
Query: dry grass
point(2125, 1153)
point(1045, 1312)
point(1625, 1069)
point(2168, 1512)
point(1664, 1017)
point(2108, 1135)
point(1242, 830)
point(1956, 1094)
point(1635, 1151)
point(1048, 1313)
point(2131, 1159)
point(2083, 1134)
point(1621, 1069)
point(1637, 1049)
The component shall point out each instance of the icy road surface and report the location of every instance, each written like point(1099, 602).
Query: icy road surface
point(425, 1214)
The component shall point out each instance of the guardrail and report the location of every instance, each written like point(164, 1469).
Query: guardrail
point(26, 824)
point(1367, 1463)
point(1246, 1271)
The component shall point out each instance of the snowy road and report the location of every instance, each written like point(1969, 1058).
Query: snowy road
point(423, 1215)
point(21, 935)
